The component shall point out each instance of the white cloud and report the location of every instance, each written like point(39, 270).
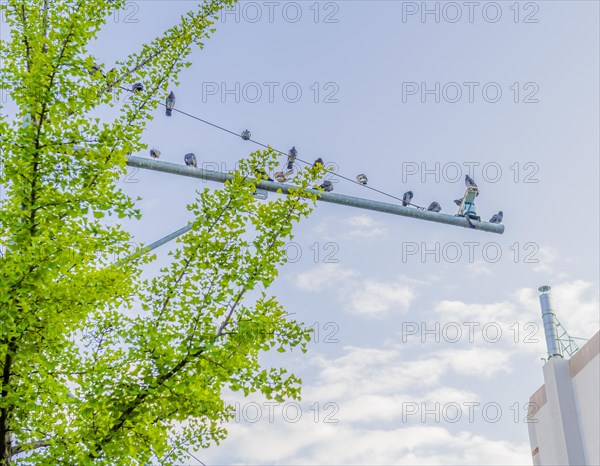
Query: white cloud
point(324, 276)
point(519, 318)
point(377, 298)
point(306, 442)
point(478, 362)
point(361, 296)
point(373, 387)
point(368, 371)
point(479, 268)
point(355, 227)
point(576, 303)
point(364, 226)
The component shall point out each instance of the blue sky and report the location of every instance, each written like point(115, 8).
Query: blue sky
point(372, 290)
point(365, 279)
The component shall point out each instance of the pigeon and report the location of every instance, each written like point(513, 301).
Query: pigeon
point(408, 195)
point(458, 202)
point(137, 87)
point(154, 153)
point(362, 179)
point(246, 135)
point(319, 161)
point(434, 207)
point(497, 218)
point(327, 186)
point(469, 183)
point(280, 177)
point(263, 175)
point(170, 103)
point(292, 154)
point(190, 160)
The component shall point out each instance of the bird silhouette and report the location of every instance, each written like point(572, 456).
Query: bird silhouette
point(280, 177)
point(408, 195)
point(318, 162)
point(434, 207)
point(170, 103)
point(497, 218)
point(362, 179)
point(469, 183)
point(327, 186)
point(137, 87)
point(292, 154)
point(190, 160)
point(154, 153)
point(246, 135)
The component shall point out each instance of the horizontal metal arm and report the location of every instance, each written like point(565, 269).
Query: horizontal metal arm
point(334, 198)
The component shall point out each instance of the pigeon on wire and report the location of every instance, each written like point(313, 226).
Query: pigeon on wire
point(497, 218)
point(327, 186)
point(458, 202)
point(362, 179)
point(246, 135)
point(469, 182)
point(190, 160)
point(292, 154)
point(280, 177)
point(155, 153)
point(170, 103)
point(434, 207)
point(408, 195)
point(137, 87)
point(319, 161)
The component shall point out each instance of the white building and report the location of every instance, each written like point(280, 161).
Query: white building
point(564, 414)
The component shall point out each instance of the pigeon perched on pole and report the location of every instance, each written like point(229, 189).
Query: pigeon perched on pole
point(434, 207)
point(190, 160)
point(469, 183)
point(408, 195)
point(327, 186)
point(137, 87)
point(280, 177)
point(362, 179)
point(246, 135)
point(292, 154)
point(497, 218)
point(154, 153)
point(170, 103)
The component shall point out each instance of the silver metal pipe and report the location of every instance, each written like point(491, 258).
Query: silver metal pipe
point(549, 319)
point(334, 198)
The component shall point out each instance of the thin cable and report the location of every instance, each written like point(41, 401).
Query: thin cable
point(266, 146)
point(188, 452)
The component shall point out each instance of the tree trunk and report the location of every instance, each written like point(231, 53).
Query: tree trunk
point(6, 452)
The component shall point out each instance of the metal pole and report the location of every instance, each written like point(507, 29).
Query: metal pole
point(341, 199)
point(549, 319)
point(157, 243)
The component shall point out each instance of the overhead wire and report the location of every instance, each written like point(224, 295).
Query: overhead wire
point(266, 146)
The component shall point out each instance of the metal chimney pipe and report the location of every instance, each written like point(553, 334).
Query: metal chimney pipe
point(549, 319)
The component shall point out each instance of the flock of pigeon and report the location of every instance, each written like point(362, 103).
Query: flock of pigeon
point(436, 207)
point(327, 186)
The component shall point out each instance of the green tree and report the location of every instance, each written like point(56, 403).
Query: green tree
point(99, 365)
